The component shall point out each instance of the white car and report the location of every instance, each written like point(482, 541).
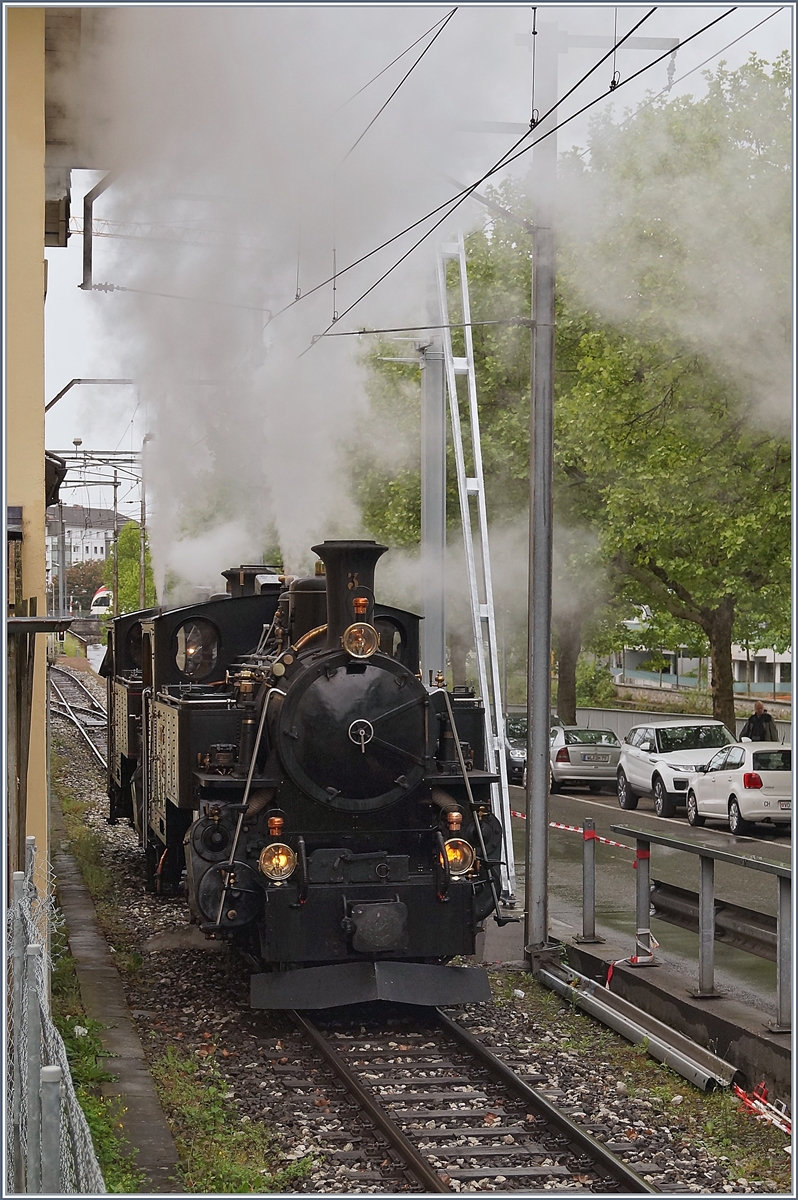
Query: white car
point(660, 758)
point(744, 784)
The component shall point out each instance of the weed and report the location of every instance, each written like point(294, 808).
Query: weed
point(218, 1151)
point(88, 1070)
point(753, 1149)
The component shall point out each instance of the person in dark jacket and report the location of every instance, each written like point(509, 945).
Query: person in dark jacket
point(760, 726)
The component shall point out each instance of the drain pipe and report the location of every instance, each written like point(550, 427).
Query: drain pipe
point(88, 204)
point(691, 1061)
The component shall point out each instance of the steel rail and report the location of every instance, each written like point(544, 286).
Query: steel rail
point(95, 703)
point(71, 715)
point(414, 1161)
point(618, 1170)
point(86, 712)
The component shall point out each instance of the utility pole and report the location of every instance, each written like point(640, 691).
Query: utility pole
point(544, 179)
point(143, 531)
point(433, 509)
point(541, 439)
point(61, 561)
point(115, 584)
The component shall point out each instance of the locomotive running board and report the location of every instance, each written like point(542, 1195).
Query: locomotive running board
point(354, 983)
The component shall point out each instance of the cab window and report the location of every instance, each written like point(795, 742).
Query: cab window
point(197, 648)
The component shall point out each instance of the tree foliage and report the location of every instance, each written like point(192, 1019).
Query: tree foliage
point(129, 550)
point(673, 327)
point(82, 581)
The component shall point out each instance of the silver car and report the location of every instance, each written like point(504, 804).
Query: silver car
point(583, 756)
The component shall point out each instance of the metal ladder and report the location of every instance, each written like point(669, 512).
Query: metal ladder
point(480, 585)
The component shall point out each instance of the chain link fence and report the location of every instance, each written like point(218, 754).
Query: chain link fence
point(48, 1143)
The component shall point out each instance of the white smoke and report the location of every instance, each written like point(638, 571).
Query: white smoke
point(236, 153)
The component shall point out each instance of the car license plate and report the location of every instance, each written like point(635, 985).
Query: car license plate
point(595, 758)
point(785, 804)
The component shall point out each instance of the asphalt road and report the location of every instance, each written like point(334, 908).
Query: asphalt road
point(750, 978)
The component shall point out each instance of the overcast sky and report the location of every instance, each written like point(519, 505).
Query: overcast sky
point(480, 39)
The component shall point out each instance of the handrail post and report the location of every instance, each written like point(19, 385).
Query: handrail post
point(589, 883)
point(51, 1130)
point(783, 958)
point(706, 930)
point(644, 949)
point(34, 1148)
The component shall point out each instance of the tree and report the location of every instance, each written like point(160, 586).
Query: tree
point(673, 324)
point(82, 581)
point(669, 436)
point(129, 550)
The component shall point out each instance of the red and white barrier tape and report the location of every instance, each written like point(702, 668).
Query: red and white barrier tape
point(575, 829)
point(757, 1103)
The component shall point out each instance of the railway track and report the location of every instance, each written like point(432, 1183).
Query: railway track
point(433, 1110)
point(70, 698)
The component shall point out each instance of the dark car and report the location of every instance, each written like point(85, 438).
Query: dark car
point(515, 739)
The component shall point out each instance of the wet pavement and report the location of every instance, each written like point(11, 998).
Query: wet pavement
point(744, 976)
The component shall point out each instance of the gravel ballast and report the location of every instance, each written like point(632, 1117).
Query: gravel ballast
point(196, 999)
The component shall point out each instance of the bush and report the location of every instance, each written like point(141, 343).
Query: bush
point(594, 685)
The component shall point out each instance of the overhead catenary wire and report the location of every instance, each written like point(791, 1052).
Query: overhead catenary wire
point(533, 114)
point(506, 162)
point(390, 64)
point(524, 321)
point(382, 109)
point(692, 71)
point(452, 200)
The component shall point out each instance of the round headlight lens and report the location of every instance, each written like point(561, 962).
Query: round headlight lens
point(460, 855)
point(277, 861)
point(361, 640)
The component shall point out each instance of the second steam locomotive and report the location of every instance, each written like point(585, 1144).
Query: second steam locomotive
point(328, 812)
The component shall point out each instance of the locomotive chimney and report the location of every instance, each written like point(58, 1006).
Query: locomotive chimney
point(350, 584)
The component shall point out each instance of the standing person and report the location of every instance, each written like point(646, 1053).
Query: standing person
point(760, 726)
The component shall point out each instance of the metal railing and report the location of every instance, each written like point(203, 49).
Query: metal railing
point(707, 856)
point(48, 1144)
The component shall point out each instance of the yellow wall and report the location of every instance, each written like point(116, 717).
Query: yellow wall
point(25, 277)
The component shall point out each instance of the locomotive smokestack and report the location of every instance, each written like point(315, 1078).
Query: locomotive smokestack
point(350, 584)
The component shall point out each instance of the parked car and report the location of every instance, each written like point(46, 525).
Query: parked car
point(583, 756)
point(743, 784)
point(515, 747)
point(660, 758)
point(515, 739)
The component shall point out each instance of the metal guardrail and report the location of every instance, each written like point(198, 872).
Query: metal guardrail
point(707, 857)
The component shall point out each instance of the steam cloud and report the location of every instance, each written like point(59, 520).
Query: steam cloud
point(225, 124)
point(229, 129)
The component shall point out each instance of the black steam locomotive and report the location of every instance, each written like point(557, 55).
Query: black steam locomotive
point(278, 752)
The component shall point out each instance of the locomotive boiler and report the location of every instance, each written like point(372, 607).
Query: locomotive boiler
point(325, 808)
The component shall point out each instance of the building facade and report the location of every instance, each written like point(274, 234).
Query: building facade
point(88, 535)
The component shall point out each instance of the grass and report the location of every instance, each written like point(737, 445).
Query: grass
point(754, 1150)
point(87, 1067)
point(219, 1151)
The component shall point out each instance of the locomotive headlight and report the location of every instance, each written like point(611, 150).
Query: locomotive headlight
point(460, 855)
point(277, 861)
point(361, 640)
